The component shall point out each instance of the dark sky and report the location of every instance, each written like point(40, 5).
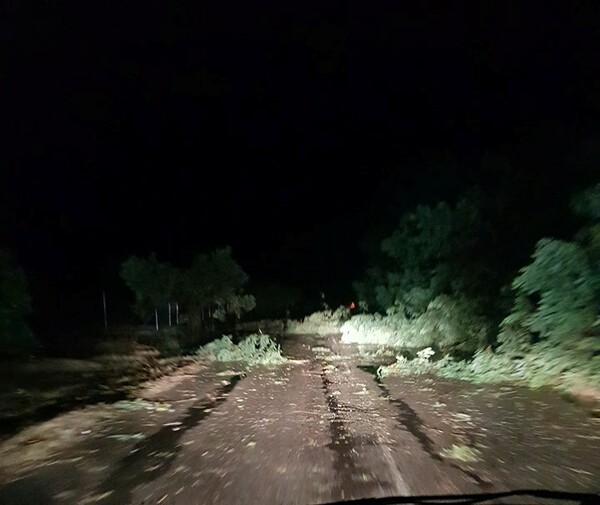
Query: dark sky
point(283, 129)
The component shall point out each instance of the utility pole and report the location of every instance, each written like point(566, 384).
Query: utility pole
point(104, 307)
point(156, 317)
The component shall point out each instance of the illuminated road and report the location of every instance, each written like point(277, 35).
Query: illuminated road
point(319, 429)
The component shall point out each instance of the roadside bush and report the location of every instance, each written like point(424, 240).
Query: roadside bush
point(403, 366)
point(434, 250)
point(152, 283)
point(321, 323)
point(485, 366)
point(372, 329)
point(440, 289)
point(169, 345)
point(551, 335)
point(448, 323)
point(555, 294)
point(167, 340)
point(253, 350)
point(566, 369)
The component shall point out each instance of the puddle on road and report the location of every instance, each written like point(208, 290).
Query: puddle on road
point(154, 455)
point(410, 420)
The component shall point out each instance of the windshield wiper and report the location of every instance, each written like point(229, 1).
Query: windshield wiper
point(467, 499)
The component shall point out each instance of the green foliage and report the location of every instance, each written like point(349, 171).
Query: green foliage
point(254, 350)
point(151, 282)
point(587, 203)
point(551, 335)
point(542, 365)
point(462, 453)
point(485, 366)
point(447, 323)
point(435, 282)
point(215, 280)
point(450, 323)
point(324, 322)
point(15, 305)
point(589, 239)
point(374, 329)
point(422, 364)
point(433, 251)
point(213, 277)
point(432, 290)
point(555, 294)
point(169, 345)
point(168, 340)
point(236, 305)
point(213, 284)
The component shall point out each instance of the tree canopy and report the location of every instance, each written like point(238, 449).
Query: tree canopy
point(214, 282)
point(434, 250)
point(152, 283)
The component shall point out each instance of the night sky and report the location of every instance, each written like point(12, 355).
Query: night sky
point(288, 130)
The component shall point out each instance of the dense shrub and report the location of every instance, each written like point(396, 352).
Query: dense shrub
point(434, 250)
point(151, 282)
point(542, 365)
point(551, 335)
point(321, 323)
point(555, 295)
point(211, 288)
point(373, 329)
point(422, 364)
point(447, 323)
point(253, 350)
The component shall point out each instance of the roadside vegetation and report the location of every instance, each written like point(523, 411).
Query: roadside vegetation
point(253, 350)
point(324, 322)
point(208, 292)
point(177, 310)
point(459, 289)
point(446, 283)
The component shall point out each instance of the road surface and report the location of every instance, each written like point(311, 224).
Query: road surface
point(318, 429)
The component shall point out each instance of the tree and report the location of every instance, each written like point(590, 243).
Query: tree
point(15, 305)
point(434, 250)
point(211, 287)
point(586, 205)
point(556, 293)
point(152, 283)
point(214, 284)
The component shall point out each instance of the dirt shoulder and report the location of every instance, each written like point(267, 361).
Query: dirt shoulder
point(39, 389)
